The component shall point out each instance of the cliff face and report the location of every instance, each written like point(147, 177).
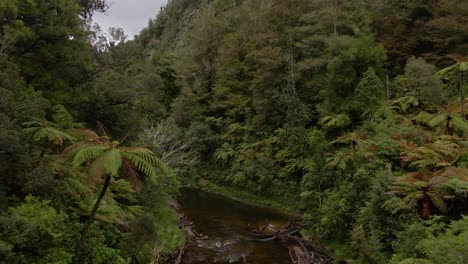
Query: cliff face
point(165, 31)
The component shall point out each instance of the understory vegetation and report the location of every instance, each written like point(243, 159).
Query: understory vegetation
point(353, 113)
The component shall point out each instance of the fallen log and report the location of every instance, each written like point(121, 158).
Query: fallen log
point(301, 251)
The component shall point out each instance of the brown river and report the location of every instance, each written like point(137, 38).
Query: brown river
point(226, 224)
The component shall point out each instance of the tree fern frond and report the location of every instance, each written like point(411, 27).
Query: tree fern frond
point(71, 150)
point(437, 200)
point(112, 161)
point(130, 173)
point(150, 158)
point(86, 134)
point(142, 165)
point(437, 120)
point(75, 186)
point(413, 197)
point(459, 123)
point(87, 154)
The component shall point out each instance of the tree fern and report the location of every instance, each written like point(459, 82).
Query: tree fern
point(105, 157)
point(41, 131)
point(112, 161)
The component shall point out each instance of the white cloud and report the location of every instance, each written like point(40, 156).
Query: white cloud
point(131, 15)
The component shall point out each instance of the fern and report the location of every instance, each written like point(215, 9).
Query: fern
point(112, 161)
point(88, 153)
point(142, 165)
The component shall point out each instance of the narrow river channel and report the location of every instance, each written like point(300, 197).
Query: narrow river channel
point(226, 224)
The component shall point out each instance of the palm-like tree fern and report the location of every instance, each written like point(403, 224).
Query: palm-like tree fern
point(108, 159)
point(431, 188)
point(456, 74)
point(48, 132)
point(335, 121)
point(447, 119)
point(404, 103)
point(445, 151)
point(439, 174)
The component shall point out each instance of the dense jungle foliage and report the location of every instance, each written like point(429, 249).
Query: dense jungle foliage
point(349, 112)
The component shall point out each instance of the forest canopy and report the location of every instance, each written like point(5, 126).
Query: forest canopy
point(349, 113)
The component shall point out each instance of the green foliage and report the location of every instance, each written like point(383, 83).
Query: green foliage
point(350, 58)
point(109, 158)
point(421, 82)
point(44, 131)
point(35, 231)
point(369, 93)
point(280, 99)
point(449, 247)
point(62, 117)
point(40, 43)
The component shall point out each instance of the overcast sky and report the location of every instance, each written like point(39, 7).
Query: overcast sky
point(131, 15)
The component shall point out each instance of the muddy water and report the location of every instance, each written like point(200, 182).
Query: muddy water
point(226, 224)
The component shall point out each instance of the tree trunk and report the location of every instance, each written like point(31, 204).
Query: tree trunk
point(426, 209)
point(79, 246)
point(462, 97)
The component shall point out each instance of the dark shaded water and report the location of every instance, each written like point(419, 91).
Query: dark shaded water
point(227, 223)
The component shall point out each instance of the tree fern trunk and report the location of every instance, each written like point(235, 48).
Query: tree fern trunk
point(462, 97)
point(79, 246)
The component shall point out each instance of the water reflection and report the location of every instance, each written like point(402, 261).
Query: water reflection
point(227, 223)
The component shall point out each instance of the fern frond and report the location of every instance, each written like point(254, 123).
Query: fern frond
point(437, 120)
point(459, 123)
point(112, 161)
point(130, 173)
point(87, 154)
point(438, 202)
point(142, 165)
point(71, 150)
point(148, 156)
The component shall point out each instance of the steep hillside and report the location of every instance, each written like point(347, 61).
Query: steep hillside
point(327, 102)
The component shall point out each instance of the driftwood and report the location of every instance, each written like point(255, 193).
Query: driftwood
point(301, 251)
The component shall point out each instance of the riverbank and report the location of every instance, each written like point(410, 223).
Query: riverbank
point(285, 206)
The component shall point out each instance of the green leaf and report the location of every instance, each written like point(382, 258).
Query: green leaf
point(142, 165)
point(112, 162)
point(87, 154)
point(459, 123)
point(464, 66)
point(438, 202)
point(437, 120)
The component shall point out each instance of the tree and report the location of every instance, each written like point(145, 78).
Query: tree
point(456, 75)
point(417, 190)
point(369, 93)
point(108, 159)
point(165, 139)
point(436, 169)
point(47, 132)
point(91, 6)
point(447, 119)
point(448, 247)
point(348, 60)
point(422, 83)
point(48, 42)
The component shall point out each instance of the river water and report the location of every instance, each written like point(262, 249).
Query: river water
point(226, 223)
